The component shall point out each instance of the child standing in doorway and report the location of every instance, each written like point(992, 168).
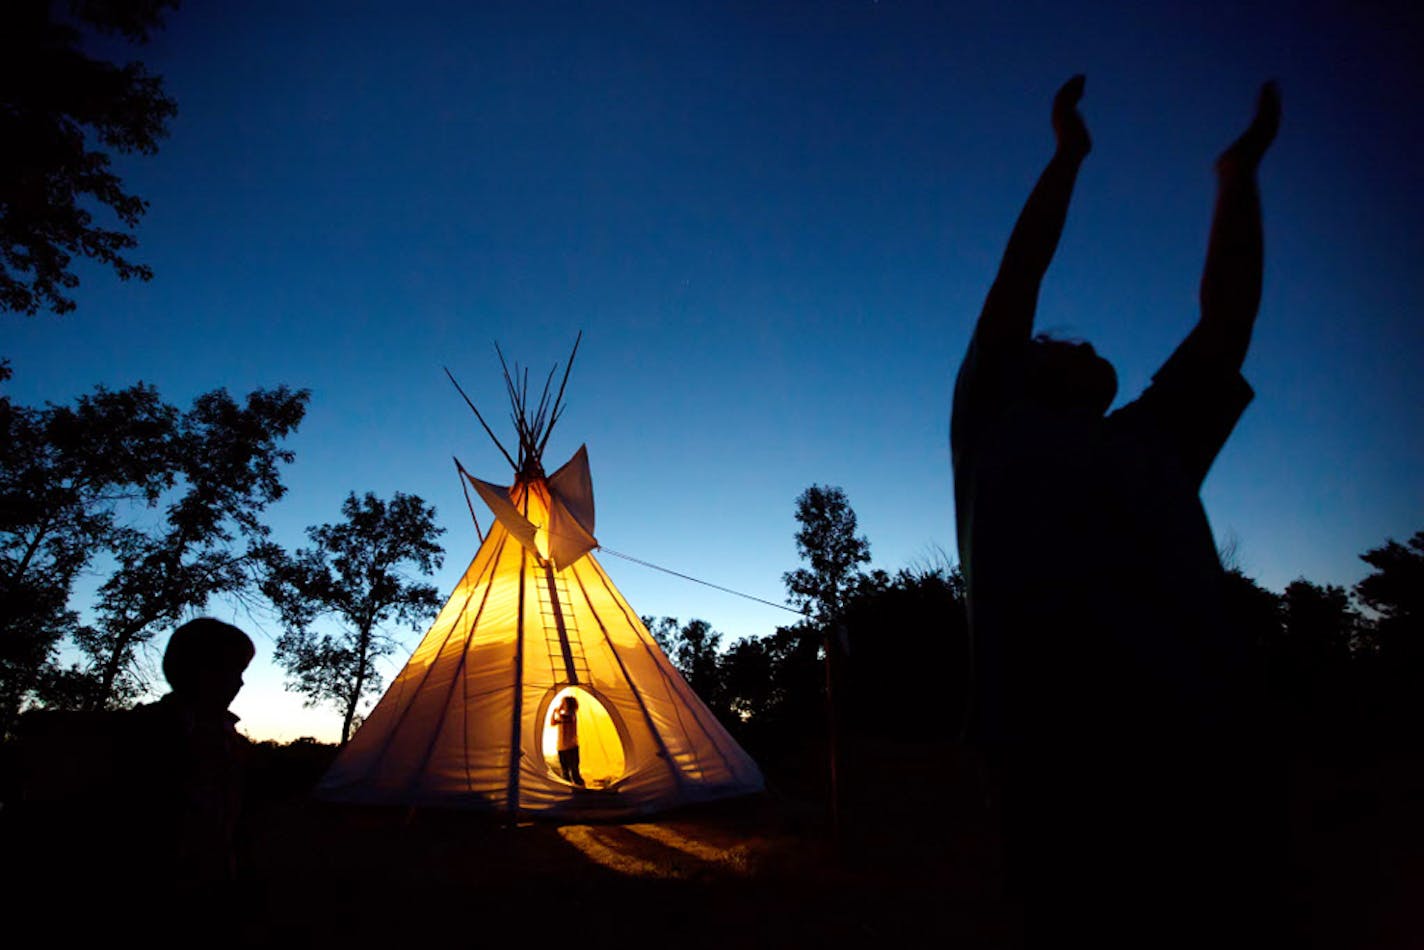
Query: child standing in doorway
point(566, 718)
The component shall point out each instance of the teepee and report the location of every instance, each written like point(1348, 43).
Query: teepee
point(535, 618)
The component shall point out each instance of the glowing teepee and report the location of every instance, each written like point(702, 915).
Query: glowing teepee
point(467, 723)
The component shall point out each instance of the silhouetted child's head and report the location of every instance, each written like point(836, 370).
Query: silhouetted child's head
point(570, 705)
point(204, 662)
point(1069, 374)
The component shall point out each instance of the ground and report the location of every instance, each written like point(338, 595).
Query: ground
point(766, 871)
point(914, 865)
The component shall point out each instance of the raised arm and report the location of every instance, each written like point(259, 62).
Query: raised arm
point(1231, 280)
point(1007, 317)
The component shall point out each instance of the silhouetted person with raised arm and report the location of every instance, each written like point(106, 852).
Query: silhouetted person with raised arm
point(1111, 693)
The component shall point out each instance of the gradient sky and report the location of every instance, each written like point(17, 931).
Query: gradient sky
point(775, 223)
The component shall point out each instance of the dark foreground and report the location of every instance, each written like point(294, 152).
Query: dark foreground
point(749, 873)
point(915, 865)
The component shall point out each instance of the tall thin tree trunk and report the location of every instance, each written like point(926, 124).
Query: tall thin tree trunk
point(363, 650)
point(350, 715)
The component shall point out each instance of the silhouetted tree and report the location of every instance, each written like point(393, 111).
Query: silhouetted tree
point(65, 475)
point(1394, 659)
point(1320, 623)
point(63, 471)
point(1256, 614)
point(1255, 610)
point(1395, 591)
point(353, 571)
point(828, 543)
point(1311, 660)
point(58, 107)
point(749, 678)
point(693, 649)
point(909, 660)
point(223, 458)
point(664, 632)
point(774, 688)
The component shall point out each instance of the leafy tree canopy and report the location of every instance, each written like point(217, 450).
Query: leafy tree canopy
point(63, 472)
point(1395, 591)
point(1319, 622)
point(76, 485)
point(828, 542)
point(223, 457)
point(59, 107)
point(353, 572)
point(693, 649)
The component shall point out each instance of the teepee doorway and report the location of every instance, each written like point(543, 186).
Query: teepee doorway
point(601, 759)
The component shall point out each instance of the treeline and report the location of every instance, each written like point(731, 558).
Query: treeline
point(894, 649)
point(1341, 666)
point(1331, 665)
point(901, 666)
point(164, 506)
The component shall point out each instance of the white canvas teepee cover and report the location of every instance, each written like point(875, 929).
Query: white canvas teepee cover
point(467, 721)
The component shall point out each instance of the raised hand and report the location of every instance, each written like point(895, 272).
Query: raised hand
point(1244, 154)
point(1006, 322)
point(1231, 280)
point(1068, 126)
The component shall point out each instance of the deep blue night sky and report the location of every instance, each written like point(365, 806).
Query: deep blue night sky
point(775, 224)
